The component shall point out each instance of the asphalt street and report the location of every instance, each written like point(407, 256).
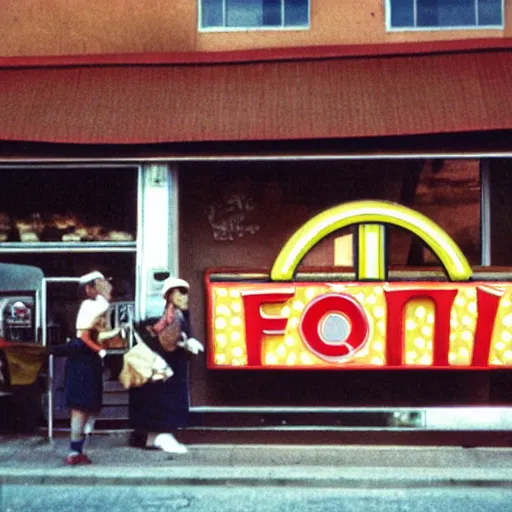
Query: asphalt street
point(267, 498)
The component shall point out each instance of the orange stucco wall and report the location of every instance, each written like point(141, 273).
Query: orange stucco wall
point(61, 27)
point(64, 27)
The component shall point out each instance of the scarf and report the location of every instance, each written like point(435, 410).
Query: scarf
point(167, 319)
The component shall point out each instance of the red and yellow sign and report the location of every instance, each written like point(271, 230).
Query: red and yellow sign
point(367, 323)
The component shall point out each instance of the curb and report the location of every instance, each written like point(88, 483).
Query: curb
point(282, 476)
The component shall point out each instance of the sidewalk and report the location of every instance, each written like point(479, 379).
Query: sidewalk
point(33, 460)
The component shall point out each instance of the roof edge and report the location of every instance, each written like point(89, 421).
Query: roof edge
point(258, 55)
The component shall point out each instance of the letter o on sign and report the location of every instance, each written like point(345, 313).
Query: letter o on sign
point(334, 327)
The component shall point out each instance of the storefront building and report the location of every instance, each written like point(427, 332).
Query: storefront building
point(203, 149)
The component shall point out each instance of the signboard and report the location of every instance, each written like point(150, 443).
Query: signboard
point(276, 321)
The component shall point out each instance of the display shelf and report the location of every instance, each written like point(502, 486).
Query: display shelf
point(67, 247)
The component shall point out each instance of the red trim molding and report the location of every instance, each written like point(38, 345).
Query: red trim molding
point(260, 55)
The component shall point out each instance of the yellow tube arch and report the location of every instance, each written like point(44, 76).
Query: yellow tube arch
point(381, 212)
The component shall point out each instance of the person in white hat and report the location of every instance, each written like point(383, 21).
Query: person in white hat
point(84, 366)
point(156, 409)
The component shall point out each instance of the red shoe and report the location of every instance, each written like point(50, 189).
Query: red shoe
point(77, 458)
point(85, 459)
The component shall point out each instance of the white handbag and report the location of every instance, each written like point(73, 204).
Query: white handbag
point(141, 365)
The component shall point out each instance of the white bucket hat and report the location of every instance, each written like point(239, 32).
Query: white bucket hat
point(173, 282)
point(91, 276)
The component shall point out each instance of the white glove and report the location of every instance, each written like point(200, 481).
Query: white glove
point(102, 353)
point(192, 345)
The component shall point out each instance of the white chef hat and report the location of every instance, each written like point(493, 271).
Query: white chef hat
point(91, 276)
point(173, 282)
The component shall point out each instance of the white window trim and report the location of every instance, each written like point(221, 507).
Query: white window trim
point(266, 28)
point(389, 28)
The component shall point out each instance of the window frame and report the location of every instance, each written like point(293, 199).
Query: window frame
point(390, 28)
point(225, 28)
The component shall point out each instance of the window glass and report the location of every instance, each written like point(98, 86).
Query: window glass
point(402, 13)
point(445, 13)
point(457, 13)
point(490, 12)
point(427, 13)
point(296, 13)
point(501, 211)
point(254, 13)
point(252, 209)
point(212, 13)
point(244, 13)
point(448, 193)
point(63, 205)
point(272, 12)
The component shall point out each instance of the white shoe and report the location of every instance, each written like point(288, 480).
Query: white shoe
point(169, 444)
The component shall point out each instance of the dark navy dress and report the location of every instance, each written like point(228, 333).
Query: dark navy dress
point(84, 378)
point(162, 406)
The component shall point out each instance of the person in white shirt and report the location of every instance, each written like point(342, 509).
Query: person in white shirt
point(84, 366)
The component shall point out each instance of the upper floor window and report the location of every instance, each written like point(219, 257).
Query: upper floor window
point(253, 14)
point(444, 14)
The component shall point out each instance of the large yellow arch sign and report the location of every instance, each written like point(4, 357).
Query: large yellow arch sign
point(367, 322)
point(370, 212)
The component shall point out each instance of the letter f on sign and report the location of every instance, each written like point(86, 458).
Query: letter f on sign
point(257, 324)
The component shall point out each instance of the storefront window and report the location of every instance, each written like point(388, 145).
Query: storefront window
point(501, 211)
point(68, 205)
point(250, 210)
point(67, 222)
point(448, 193)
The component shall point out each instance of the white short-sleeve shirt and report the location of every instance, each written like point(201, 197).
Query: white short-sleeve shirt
point(91, 313)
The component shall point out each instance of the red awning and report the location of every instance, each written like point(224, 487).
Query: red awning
point(287, 95)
